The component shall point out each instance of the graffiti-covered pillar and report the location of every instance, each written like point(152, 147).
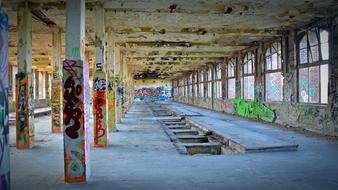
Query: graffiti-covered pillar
point(4, 118)
point(111, 83)
point(100, 83)
point(24, 83)
point(75, 96)
point(118, 82)
point(56, 95)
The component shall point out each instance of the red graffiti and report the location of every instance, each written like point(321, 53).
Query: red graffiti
point(72, 109)
point(99, 102)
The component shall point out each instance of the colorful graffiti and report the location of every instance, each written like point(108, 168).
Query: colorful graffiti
point(254, 110)
point(22, 112)
point(161, 93)
point(74, 117)
point(229, 107)
point(111, 110)
point(4, 128)
point(274, 87)
point(56, 106)
point(100, 111)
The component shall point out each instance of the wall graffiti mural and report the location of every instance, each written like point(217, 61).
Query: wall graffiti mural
point(4, 128)
point(74, 121)
point(100, 111)
point(254, 110)
point(111, 110)
point(56, 106)
point(161, 93)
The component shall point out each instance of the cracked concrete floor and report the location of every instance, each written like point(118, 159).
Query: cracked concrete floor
point(140, 156)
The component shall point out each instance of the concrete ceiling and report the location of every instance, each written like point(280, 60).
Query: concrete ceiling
point(174, 36)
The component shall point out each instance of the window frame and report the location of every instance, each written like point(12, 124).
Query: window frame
point(279, 66)
point(317, 30)
point(246, 60)
point(218, 81)
point(228, 77)
point(210, 80)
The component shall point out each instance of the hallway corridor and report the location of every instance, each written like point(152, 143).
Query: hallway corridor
point(141, 156)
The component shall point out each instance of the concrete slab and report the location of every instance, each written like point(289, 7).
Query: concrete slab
point(182, 111)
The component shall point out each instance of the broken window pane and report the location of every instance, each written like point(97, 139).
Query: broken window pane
point(303, 85)
point(324, 83)
point(314, 54)
point(274, 86)
point(248, 87)
point(231, 88)
point(325, 51)
point(314, 84)
point(303, 56)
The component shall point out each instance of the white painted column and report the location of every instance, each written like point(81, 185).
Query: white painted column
point(24, 83)
point(76, 96)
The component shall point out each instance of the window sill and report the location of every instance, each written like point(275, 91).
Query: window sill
point(312, 105)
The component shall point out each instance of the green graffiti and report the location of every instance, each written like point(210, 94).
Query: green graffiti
point(254, 110)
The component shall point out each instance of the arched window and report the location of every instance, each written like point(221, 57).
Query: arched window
point(313, 66)
point(210, 81)
point(218, 79)
point(273, 73)
point(231, 81)
point(201, 83)
point(248, 78)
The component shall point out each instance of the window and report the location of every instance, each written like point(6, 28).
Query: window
point(201, 83)
point(231, 81)
point(273, 73)
point(195, 84)
point(210, 80)
point(248, 78)
point(218, 81)
point(190, 85)
point(180, 87)
point(313, 67)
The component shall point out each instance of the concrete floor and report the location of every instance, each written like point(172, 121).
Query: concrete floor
point(140, 156)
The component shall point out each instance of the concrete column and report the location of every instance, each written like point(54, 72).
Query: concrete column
point(111, 84)
point(118, 81)
point(37, 87)
point(24, 83)
point(56, 97)
point(100, 83)
point(259, 74)
point(76, 96)
point(47, 88)
point(4, 118)
point(238, 76)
